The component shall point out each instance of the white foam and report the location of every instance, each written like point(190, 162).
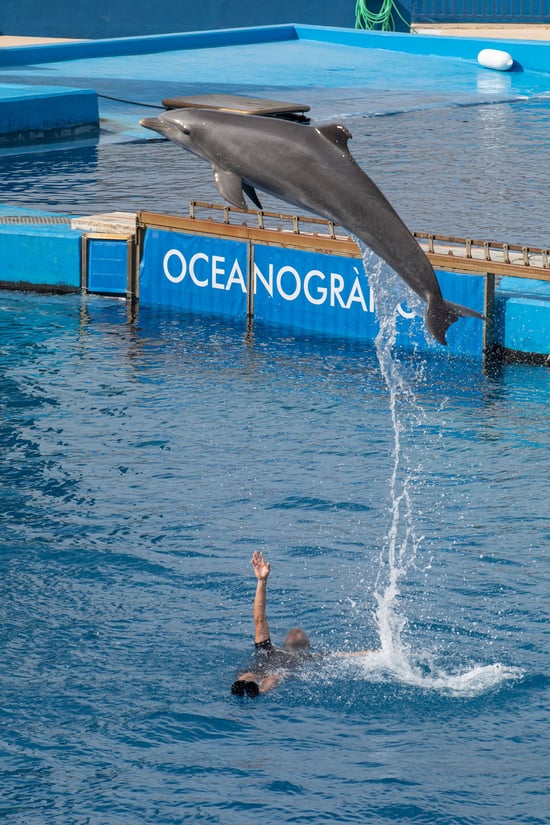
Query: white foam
point(476, 681)
point(376, 667)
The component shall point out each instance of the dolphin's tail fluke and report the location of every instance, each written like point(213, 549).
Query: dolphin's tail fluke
point(441, 314)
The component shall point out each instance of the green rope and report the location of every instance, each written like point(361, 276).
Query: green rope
point(383, 19)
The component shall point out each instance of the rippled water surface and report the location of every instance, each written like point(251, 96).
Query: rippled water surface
point(142, 463)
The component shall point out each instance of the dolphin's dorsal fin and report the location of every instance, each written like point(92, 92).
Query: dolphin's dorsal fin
point(230, 186)
point(336, 133)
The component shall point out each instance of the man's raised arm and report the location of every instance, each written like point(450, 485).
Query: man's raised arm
point(261, 569)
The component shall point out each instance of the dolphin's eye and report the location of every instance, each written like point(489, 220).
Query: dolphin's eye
point(186, 130)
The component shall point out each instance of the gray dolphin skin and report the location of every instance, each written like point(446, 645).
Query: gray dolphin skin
point(310, 167)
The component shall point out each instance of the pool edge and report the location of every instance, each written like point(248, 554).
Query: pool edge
point(530, 54)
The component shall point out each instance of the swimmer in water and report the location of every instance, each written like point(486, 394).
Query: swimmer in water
point(272, 664)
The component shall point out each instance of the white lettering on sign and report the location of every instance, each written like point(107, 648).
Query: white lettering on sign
point(218, 268)
point(204, 271)
point(316, 286)
point(356, 294)
point(336, 287)
point(236, 276)
point(174, 253)
point(293, 282)
point(259, 278)
point(199, 256)
point(320, 291)
point(404, 312)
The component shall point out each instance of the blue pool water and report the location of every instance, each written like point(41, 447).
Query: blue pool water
point(144, 461)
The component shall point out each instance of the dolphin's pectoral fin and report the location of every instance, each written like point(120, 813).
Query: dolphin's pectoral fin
point(251, 192)
point(336, 133)
point(230, 186)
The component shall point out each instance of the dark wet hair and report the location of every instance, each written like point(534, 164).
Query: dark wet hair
point(242, 687)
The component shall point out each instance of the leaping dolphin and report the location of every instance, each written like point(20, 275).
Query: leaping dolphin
point(310, 167)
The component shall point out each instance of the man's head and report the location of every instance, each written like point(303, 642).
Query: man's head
point(296, 640)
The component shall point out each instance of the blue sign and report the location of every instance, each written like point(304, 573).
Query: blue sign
point(326, 293)
point(194, 272)
point(330, 294)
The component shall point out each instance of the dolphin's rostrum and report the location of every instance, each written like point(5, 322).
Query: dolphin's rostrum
point(310, 167)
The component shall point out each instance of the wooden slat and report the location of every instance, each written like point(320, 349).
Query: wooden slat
point(455, 263)
point(313, 242)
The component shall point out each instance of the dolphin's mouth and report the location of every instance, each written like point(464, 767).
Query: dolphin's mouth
point(151, 123)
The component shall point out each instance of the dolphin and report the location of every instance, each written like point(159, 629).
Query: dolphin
point(310, 167)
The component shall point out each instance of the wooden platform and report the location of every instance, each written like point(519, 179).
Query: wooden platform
point(240, 105)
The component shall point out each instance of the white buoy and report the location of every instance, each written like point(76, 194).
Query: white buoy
point(495, 59)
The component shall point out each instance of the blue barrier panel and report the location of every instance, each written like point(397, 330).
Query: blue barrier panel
point(524, 325)
point(107, 270)
point(306, 289)
point(467, 335)
point(309, 290)
point(331, 294)
point(40, 255)
point(194, 272)
point(522, 315)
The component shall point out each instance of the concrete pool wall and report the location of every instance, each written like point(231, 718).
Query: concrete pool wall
point(529, 54)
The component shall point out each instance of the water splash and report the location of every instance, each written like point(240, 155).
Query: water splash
point(478, 680)
point(401, 542)
point(395, 657)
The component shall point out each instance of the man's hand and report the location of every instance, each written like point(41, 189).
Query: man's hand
point(260, 565)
